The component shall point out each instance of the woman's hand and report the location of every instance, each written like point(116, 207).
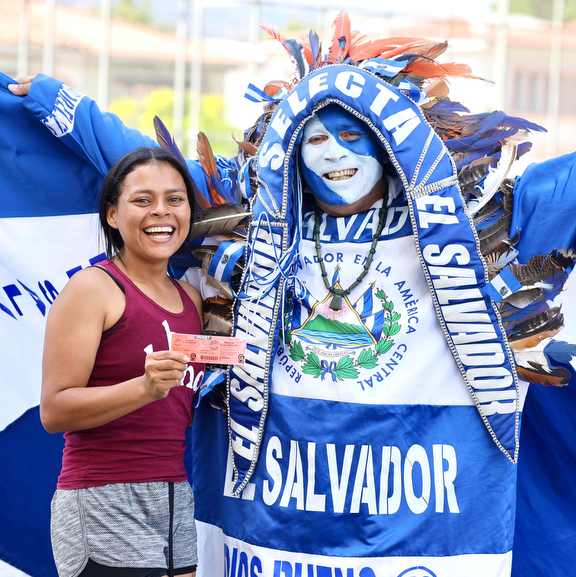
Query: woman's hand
point(163, 370)
point(23, 86)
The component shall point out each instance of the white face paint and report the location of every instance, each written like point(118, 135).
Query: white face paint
point(340, 164)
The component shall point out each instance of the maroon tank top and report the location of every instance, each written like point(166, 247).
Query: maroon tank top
point(147, 444)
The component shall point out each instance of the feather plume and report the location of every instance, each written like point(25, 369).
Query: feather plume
point(220, 220)
point(542, 269)
point(437, 88)
point(166, 141)
point(292, 46)
point(273, 34)
point(341, 40)
point(275, 88)
point(247, 148)
point(540, 374)
point(504, 254)
point(429, 69)
point(525, 298)
point(208, 163)
point(533, 330)
point(217, 313)
point(492, 237)
point(363, 49)
point(433, 50)
point(315, 49)
point(494, 178)
point(421, 48)
point(473, 174)
point(294, 49)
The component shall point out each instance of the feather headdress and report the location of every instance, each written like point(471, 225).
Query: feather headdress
point(484, 147)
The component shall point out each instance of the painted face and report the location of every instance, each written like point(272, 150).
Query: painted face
point(340, 156)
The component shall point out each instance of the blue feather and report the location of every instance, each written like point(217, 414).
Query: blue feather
point(294, 48)
point(487, 141)
point(166, 141)
point(446, 107)
point(314, 47)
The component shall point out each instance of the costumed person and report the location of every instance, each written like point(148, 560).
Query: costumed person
point(123, 505)
point(392, 286)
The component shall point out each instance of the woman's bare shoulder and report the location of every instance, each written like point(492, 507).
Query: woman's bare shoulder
point(193, 293)
point(91, 288)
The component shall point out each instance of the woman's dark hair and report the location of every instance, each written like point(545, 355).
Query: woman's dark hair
point(112, 188)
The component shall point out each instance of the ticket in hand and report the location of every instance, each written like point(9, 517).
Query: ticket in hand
point(210, 349)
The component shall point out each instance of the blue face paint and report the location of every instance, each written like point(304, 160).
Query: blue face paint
point(340, 157)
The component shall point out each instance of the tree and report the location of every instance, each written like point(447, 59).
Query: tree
point(543, 8)
point(139, 113)
point(132, 11)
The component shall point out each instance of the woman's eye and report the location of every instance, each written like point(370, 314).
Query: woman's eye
point(176, 200)
point(349, 136)
point(142, 201)
point(317, 139)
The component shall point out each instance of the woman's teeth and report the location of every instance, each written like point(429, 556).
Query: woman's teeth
point(159, 230)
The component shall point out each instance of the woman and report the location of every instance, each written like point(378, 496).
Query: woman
point(123, 506)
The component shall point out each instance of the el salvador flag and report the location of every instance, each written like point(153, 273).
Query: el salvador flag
point(48, 230)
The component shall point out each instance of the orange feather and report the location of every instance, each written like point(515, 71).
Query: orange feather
point(431, 69)
point(273, 34)
point(341, 40)
point(307, 52)
point(438, 88)
point(373, 48)
point(208, 163)
point(275, 86)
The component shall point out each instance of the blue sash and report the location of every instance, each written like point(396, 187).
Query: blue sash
point(447, 245)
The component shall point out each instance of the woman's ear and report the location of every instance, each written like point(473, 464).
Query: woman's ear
point(111, 215)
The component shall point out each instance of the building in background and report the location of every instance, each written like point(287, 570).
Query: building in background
point(190, 60)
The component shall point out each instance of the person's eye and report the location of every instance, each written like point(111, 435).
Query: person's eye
point(141, 201)
point(176, 199)
point(317, 139)
point(350, 136)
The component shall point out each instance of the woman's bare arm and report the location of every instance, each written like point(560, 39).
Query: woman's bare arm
point(73, 331)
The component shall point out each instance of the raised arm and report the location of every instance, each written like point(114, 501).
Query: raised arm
point(99, 137)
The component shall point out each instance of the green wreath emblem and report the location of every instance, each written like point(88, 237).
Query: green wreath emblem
point(347, 366)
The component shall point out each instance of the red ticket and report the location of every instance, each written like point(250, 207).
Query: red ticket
point(210, 349)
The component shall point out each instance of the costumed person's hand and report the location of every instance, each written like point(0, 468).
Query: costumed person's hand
point(23, 86)
point(163, 370)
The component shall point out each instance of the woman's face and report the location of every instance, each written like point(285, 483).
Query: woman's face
point(152, 213)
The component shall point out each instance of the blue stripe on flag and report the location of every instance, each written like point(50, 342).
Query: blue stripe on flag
point(255, 94)
point(333, 517)
point(375, 324)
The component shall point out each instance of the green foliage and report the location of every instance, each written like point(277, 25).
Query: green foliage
point(542, 8)
point(312, 365)
point(367, 359)
point(383, 346)
point(139, 114)
point(388, 306)
point(380, 294)
point(132, 11)
point(390, 328)
point(345, 369)
point(296, 351)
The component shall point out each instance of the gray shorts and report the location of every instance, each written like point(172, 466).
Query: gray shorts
point(122, 525)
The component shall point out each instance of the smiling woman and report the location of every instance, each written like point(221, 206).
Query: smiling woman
point(123, 506)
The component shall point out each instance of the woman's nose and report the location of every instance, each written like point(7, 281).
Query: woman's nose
point(160, 208)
